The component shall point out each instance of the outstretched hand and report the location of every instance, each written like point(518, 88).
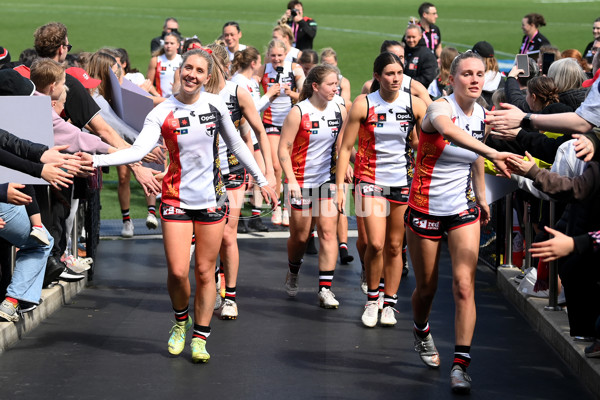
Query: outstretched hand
point(518, 165)
point(508, 117)
point(15, 196)
point(559, 246)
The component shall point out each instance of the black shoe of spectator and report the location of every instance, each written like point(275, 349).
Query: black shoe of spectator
point(54, 267)
point(256, 224)
point(71, 276)
point(242, 228)
point(25, 306)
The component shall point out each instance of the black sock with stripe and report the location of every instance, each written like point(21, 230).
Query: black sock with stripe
point(201, 331)
point(462, 358)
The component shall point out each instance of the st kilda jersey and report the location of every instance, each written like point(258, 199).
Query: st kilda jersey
point(314, 149)
point(191, 134)
point(382, 156)
point(442, 182)
point(165, 74)
point(229, 94)
point(280, 107)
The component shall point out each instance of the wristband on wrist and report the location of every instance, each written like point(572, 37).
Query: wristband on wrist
point(526, 122)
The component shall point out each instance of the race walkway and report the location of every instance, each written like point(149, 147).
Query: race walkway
point(110, 341)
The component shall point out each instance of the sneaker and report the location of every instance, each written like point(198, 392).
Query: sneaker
point(54, 268)
point(285, 218)
point(77, 264)
point(363, 282)
point(369, 317)
point(127, 230)
point(8, 311)
point(291, 284)
point(39, 235)
point(276, 217)
point(327, 299)
point(256, 224)
point(311, 246)
point(242, 228)
point(380, 301)
point(71, 276)
point(345, 258)
point(229, 310)
point(177, 339)
point(25, 307)
point(592, 351)
point(460, 381)
point(427, 351)
point(199, 353)
point(151, 222)
point(387, 316)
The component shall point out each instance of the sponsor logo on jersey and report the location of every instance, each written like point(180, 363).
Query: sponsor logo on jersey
point(381, 117)
point(163, 69)
point(426, 224)
point(272, 80)
point(171, 210)
point(207, 118)
point(300, 201)
point(315, 124)
point(333, 122)
point(380, 125)
point(371, 119)
point(402, 116)
point(306, 125)
point(372, 189)
point(230, 107)
point(478, 135)
point(315, 132)
point(182, 131)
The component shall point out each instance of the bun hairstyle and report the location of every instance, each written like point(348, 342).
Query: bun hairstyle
point(316, 75)
point(535, 19)
point(544, 89)
point(243, 59)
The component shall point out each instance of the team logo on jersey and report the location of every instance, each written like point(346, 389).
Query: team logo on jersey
point(315, 124)
point(333, 123)
point(210, 130)
point(207, 118)
point(426, 224)
point(402, 116)
point(381, 117)
point(334, 132)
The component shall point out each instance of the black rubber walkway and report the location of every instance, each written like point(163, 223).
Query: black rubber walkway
point(110, 343)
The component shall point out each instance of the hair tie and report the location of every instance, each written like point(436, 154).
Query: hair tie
point(206, 49)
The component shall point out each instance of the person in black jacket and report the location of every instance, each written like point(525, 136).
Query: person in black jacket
point(304, 28)
point(421, 64)
point(533, 39)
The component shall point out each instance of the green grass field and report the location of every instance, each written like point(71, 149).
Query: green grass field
point(354, 28)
